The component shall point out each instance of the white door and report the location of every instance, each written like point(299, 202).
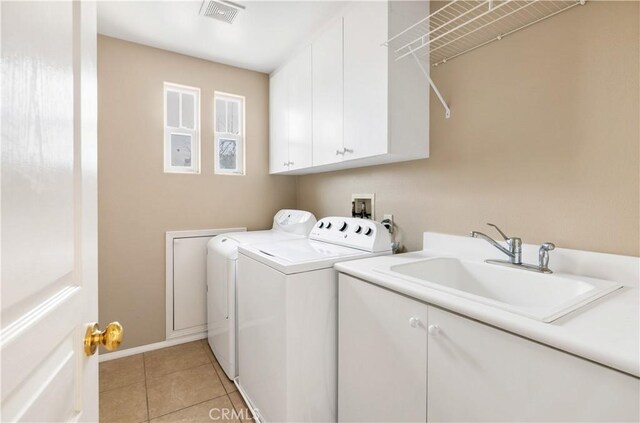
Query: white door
point(278, 122)
point(190, 284)
point(365, 80)
point(300, 110)
point(327, 96)
point(479, 373)
point(49, 215)
point(382, 354)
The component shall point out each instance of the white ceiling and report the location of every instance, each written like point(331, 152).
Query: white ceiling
point(261, 38)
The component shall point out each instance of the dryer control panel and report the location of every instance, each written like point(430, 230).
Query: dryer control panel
point(362, 234)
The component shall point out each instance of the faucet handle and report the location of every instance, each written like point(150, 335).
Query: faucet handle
point(506, 238)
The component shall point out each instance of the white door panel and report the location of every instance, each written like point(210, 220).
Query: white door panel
point(49, 215)
point(365, 80)
point(327, 96)
point(190, 282)
point(300, 110)
point(502, 377)
point(278, 122)
point(382, 356)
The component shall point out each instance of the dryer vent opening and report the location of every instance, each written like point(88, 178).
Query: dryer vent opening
point(225, 11)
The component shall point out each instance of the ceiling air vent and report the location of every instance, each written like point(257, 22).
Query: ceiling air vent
point(225, 11)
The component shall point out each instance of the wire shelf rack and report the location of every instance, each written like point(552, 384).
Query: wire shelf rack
point(461, 26)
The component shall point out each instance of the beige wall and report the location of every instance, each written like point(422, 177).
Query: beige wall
point(543, 140)
point(138, 203)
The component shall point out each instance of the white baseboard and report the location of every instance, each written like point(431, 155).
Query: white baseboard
point(151, 347)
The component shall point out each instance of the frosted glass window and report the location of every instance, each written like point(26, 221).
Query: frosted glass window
point(233, 117)
point(173, 109)
point(181, 150)
point(181, 129)
point(221, 116)
point(229, 137)
point(228, 154)
point(188, 110)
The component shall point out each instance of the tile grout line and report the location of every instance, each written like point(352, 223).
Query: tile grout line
point(192, 405)
point(176, 371)
point(212, 362)
point(122, 386)
point(146, 388)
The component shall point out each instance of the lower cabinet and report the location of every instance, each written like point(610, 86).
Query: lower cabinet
point(403, 360)
point(382, 351)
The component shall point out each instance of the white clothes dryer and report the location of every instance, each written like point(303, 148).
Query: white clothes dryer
point(222, 256)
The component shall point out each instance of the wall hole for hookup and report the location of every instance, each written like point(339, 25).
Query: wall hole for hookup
point(363, 206)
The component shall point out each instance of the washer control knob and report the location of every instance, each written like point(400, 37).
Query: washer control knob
point(368, 231)
point(358, 229)
point(321, 225)
point(328, 225)
point(342, 227)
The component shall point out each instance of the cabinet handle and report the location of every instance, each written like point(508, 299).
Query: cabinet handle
point(414, 322)
point(338, 152)
point(347, 150)
point(286, 163)
point(291, 163)
point(433, 329)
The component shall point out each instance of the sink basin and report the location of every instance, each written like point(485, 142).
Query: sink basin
point(544, 297)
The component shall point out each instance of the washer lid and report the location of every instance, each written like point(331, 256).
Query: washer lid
point(301, 255)
point(254, 237)
point(302, 250)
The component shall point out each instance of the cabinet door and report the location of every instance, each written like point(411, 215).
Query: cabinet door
point(479, 373)
point(327, 96)
point(382, 357)
point(365, 80)
point(190, 282)
point(300, 110)
point(278, 122)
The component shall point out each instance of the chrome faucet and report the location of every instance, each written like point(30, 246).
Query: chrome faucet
point(515, 244)
point(514, 252)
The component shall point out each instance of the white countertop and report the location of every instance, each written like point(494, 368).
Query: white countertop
point(606, 331)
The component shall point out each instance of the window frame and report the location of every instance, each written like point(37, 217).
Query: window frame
point(240, 138)
point(194, 133)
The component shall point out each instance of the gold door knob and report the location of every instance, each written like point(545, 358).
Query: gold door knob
point(110, 337)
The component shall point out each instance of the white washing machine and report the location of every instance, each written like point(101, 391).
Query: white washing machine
point(287, 318)
point(222, 256)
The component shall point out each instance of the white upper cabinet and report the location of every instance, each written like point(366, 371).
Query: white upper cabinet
point(300, 106)
point(365, 80)
point(328, 96)
point(290, 104)
point(367, 109)
point(279, 122)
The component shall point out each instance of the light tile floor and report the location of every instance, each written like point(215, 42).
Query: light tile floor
point(184, 383)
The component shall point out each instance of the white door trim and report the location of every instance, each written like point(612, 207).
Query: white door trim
point(170, 236)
